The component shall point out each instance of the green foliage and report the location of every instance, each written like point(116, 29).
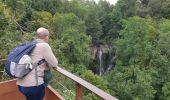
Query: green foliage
point(165, 9)
point(62, 22)
point(94, 79)
point(115, 26)
point(63, 85)
point(104, 10)
point(94, 29)
point(154, 8)
point(161, 61)
point(133, 55)
point(72, 43)
point(50, 6)
point(166, 91)
point(131, 83)
point(38, 19)
point(90, 96)
point(3, 19)
point(137, 30)
point(164, 38)
point(10, 39)
point(135, 45)
point(126, 7)
point(76, 7)
point(160, 67)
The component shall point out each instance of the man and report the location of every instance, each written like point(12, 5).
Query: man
point(32, 84)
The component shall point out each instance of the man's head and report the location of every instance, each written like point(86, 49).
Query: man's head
point(42, 33)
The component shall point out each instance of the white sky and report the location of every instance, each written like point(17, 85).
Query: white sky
point(111, 1)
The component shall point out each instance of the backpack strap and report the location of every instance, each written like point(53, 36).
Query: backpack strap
point(41, 62)
point(35, 67)
point(36, 76)
point(37, 64)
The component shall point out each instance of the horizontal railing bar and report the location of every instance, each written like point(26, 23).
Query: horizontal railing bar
point(87, 85)
point(2, 59)
point(8, 81)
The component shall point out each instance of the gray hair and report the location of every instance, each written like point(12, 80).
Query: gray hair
point(42, 32)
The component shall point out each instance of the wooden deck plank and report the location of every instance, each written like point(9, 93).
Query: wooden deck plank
point(9, 91)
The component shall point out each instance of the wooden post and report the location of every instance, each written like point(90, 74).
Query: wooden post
point(79, 91)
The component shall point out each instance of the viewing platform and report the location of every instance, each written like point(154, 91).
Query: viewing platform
point(9, 89)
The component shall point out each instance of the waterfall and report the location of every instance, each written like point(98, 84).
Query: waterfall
point(103, 56)
point(101, 70)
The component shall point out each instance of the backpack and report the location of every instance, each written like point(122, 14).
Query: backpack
point(12, 66)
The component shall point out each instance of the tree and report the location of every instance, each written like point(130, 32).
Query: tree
point(72, 43)
point(78, 7)
point(93, 26)
point(104, 10)
point(136, 37)
point(3, 19)
point(39, 19)
point(165, 10)
point(127, 8)
point(154, 8)
point(131, 77)
point(162, 62)
point(166, 91)
point(164, 38)
point(46, 5)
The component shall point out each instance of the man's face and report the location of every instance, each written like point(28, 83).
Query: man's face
point(46, 38)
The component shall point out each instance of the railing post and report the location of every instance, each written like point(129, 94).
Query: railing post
point(79, 91)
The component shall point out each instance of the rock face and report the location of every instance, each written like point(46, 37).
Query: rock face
point(103, 56)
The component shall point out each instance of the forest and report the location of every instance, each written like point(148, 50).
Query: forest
point(124, 49)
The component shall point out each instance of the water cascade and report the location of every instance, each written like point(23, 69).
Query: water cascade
point(103, 57)
point(100, 55)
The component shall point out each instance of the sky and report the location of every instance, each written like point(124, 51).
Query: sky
point(111, 1)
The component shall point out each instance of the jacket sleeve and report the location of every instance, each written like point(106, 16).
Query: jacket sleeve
point(49, 56)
